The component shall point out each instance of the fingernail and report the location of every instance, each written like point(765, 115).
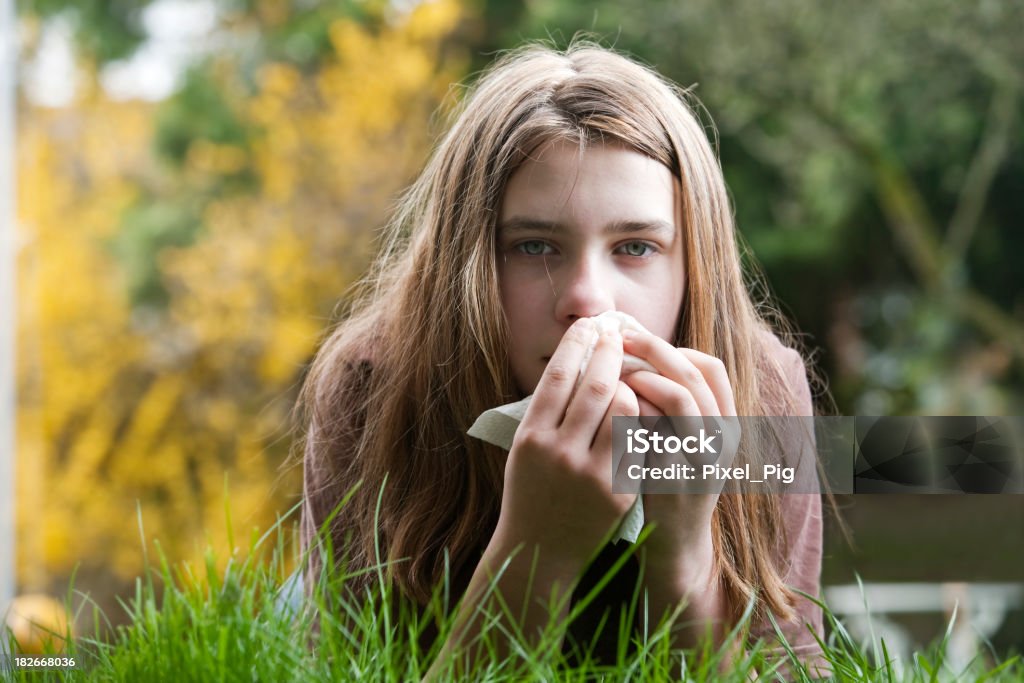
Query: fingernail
point(629, 334)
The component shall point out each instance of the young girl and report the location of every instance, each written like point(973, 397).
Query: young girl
point(568, 184)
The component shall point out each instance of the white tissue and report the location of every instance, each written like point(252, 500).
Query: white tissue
point(498, 426)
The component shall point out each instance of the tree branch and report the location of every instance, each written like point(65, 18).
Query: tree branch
point(992, 320)
point(908, 215)
point(993, 149)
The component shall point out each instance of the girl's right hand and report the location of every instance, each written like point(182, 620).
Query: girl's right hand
point(558, 485)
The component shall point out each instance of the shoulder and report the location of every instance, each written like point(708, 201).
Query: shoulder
point(784, 371)
point(334, 401)
point(340, 372)
point(788, 359)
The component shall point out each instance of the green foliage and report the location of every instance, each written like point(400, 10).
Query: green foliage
point(105, 29)
point(149, 227)
point(302, 35)
point(199, 111)
point(173, 300)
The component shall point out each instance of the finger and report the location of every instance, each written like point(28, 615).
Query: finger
point(547, 407)
point(672, 400)
point(649, 413)
point(667, 396)
point(624, 404)
point(717, 377)
point(597, 388)
point(676, 365)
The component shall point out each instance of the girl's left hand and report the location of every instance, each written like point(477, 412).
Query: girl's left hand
point(688, 384)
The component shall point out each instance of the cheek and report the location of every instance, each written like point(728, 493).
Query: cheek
point(510, 301)
point(657, 302)
point(524, 312)
point(523, 326)
point(520, 311)
point(522, 298)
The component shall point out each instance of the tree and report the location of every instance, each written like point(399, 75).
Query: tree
point(173, 299)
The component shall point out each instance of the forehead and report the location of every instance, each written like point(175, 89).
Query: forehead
point(562, 182)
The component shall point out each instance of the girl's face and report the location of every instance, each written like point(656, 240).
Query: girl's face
point(581, 233)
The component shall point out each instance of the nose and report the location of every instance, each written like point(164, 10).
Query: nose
point(584, 290)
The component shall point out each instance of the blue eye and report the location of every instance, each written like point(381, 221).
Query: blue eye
point(637, 249)
point(533, 248)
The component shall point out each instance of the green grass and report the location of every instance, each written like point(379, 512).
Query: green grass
point(224, 624)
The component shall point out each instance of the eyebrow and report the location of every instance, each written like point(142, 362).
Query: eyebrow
point(620, 227)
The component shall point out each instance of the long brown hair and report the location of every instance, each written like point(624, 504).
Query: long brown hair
point(396, 385)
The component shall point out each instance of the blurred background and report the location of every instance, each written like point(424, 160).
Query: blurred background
point(199, 182)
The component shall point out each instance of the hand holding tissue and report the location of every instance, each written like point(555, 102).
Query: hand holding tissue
point(498, 426)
